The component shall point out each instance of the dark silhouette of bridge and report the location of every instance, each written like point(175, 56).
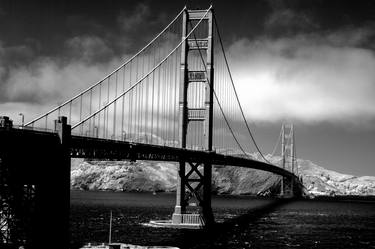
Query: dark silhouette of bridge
point(175, 100)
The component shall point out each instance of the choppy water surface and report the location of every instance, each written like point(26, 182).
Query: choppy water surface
point(244, 222)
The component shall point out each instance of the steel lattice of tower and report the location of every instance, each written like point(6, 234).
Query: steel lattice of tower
point(288, 157)
point(193, 202)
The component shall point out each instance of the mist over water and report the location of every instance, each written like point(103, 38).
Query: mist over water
point(243, 222)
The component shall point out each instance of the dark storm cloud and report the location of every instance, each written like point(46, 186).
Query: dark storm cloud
point(138, 26)
point(33, 81)
point(309, 61)
point(13, 55)
point(83, 24)
point(91, 49)
point(2, 12)
point(297, 68)
point(128, 22)
point(10, 57)
point(284, 20)
point(140, 16)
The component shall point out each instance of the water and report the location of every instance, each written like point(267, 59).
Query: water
point(244, 222)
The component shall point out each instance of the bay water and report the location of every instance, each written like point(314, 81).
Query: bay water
point(242, 222)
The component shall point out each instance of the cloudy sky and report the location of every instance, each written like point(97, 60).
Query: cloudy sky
point(307, 62)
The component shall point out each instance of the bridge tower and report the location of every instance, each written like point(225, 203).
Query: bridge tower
point(193, 197)
point(288, 159)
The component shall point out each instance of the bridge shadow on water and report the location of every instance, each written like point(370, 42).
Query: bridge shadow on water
point(223, 235)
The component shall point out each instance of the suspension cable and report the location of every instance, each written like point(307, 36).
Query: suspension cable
point(145, 76)
point(217, 99)
point(110, 74)
point(235, 91)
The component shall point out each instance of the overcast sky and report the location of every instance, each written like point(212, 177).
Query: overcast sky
point(308, 62)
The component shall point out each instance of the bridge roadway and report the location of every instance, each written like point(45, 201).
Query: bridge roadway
point(97, 148)
point(88, 147)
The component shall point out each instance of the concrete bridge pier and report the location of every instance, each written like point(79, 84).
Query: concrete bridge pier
point(193, 197)
point(287, 188)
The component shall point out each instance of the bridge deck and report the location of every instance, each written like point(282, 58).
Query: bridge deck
point(97, 148)
point(83, 147)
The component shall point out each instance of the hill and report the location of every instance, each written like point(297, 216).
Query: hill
point(161, 176)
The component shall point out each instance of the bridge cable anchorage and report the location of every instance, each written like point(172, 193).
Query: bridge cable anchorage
point(235, 91)
point(218, 102)
point(110, 74)
point(144, 77)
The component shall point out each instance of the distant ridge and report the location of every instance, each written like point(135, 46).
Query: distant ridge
point(148, 176)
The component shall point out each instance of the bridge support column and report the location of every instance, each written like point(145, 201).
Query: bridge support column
point(287, 186)
point(193, 197)
point(179, 210)
point(288, 160)
point(207, 189)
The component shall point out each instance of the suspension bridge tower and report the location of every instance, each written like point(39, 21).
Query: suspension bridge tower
point(288, 157)
point(193, 200)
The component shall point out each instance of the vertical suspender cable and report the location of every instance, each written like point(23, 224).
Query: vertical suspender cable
point(131, 102)
point(90, 110)
point(235, 92)
point(115, 109)
point(139, 81)
point(80, 114)
point(158, 100)
point(107, 119)
point(123, 105)
point(147, 99)
point(152, 99)
point(141, 97)
point(100, 102)
point(70, 112)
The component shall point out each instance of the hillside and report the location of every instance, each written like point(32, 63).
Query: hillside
point(320, 181)
point(161, 176)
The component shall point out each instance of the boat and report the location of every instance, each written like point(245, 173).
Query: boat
point(111, 245)
point(123, 246)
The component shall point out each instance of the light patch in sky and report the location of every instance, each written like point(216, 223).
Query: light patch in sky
point(47, 81)
point(309, 78)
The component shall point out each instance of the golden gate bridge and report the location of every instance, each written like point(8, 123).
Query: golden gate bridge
point(174, 100)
